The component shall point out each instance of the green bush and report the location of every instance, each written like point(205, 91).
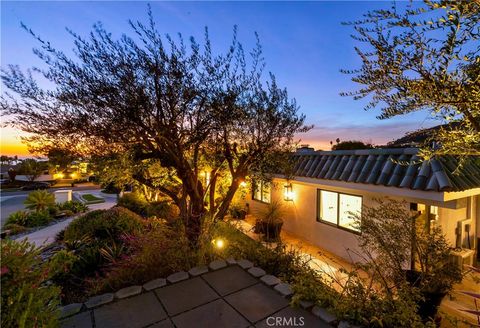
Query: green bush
point(40, 218)
point(27, 299)
point(134, 202)
point(74, 206)
point(18, 217)
point(39, 200)
point(162, 210)
point(14, 228)
point(29, 219)
point(92, 235)
point(104, 225)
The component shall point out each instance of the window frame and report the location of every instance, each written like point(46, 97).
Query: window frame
point(336, 225)
point(261, 184)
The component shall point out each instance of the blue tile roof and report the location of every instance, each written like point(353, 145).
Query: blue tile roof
point(396, 167)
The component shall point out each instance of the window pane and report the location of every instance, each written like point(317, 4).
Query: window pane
point(328, 206)
point(266, 192)
point(257, 193)
point(349, 206)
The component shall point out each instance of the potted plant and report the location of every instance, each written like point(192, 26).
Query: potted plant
point(433, 273)
point(238, 212)
point(399, 240)
point(270, 221)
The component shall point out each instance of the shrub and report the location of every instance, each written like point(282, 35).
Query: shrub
point(74, 206)
point(157, 253)
point(104, 224)
point(39, 200)
point(27, 300)
point(18, 217)
point(14, 228)
point(94, 233)
point(29, 219)
point(134, 202)
point(162, 210)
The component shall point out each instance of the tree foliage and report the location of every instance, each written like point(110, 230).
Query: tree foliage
point(162, 101)
point(31, 168)
point(424, 57)
point(351, 145)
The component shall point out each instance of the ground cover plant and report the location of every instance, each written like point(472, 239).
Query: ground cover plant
point(28, 299)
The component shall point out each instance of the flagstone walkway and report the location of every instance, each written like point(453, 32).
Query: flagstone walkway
point(226, 297)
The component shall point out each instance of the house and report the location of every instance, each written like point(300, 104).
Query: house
point(328, 185)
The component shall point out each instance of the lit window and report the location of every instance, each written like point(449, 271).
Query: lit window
point(338, 209)
point(262, 191)
point(328, 206)
point(434, 212)
point(349, 207)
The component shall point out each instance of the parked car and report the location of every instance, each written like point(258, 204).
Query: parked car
point(36, 185)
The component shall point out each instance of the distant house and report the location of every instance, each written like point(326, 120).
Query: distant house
point(328, 185)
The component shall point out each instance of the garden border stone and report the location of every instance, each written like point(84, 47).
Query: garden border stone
point(198, 270)
point(245, 264)
point(324, 314)
point(177, 276)
point(256, 272)
point(70, 309)
point(270, 280)
point(231, 261)
point(99, 300)
point(128, 291)
point(284, 289)
point(154, 284)
point(217, 264)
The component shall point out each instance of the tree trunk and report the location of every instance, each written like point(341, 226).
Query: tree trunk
point(193, 221)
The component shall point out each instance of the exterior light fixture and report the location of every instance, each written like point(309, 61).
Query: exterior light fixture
point(219, 243)
point(288, 192)
point(243, 184)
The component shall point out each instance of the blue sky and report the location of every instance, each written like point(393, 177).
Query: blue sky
point(304, 44)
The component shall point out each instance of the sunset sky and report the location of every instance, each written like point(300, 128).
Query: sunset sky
point(304, 44)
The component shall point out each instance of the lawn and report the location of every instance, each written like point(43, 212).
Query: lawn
point(89, 198)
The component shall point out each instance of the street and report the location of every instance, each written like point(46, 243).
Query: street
point(13, 201)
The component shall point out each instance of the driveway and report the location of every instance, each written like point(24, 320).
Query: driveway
point(11, 203)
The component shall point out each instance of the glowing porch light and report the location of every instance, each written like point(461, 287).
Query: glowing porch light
point(288, 192)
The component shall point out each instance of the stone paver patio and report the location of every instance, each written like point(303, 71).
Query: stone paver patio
point(224, 297)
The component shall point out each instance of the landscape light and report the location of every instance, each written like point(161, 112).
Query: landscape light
point(288, 193)
point(219, 243)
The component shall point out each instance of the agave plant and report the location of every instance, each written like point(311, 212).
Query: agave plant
point(39, 200)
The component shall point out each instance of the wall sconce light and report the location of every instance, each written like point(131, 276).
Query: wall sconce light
point(288, 192)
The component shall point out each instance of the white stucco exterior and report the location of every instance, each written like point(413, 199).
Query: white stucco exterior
point(301, 212)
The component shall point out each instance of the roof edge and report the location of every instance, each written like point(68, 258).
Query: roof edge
point(373, 151)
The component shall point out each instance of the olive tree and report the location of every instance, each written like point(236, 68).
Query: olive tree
point(164, 101)
point(424, 56)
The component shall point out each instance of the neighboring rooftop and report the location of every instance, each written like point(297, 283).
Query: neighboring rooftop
point(395, 167)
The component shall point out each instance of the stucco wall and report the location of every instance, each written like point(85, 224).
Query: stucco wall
point(300, 216)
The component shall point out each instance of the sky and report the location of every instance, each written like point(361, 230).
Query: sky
point(304, 43)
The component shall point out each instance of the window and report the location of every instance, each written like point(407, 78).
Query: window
point(262, 191)
point(338, 209)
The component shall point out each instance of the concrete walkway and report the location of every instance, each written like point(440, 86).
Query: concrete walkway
point(226, 296)
point(46, 236)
